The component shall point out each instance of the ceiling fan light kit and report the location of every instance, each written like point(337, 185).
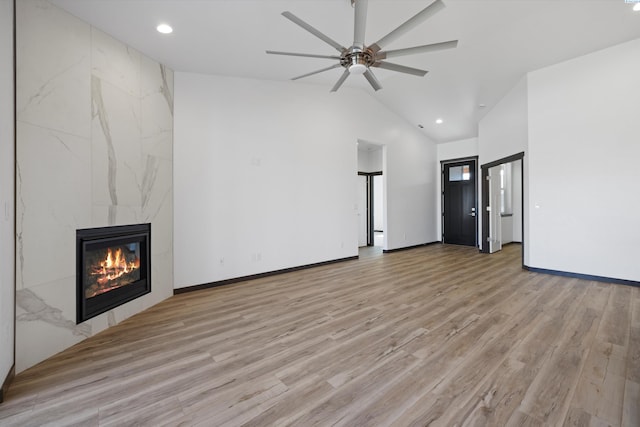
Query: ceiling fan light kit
point(357, 69)
point(360, 58)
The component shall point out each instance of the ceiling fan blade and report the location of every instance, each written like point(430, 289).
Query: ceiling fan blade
point(372, 80)
point(290, 16)
point(417, 49)
point(360, 24)
point(317, 71)
point(413, 22)
point(341, 80)
point(307, 55)
point(400, 68)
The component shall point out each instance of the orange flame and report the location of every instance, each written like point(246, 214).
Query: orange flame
point(109, 270)
point(115, 265)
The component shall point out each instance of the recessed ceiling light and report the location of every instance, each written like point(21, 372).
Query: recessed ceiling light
point(482, 105)
point(636, 7)
point(164, 29)
point(439, 121)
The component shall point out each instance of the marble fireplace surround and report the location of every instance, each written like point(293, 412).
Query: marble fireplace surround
point(94, 149)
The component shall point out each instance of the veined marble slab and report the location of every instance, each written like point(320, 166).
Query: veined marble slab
point(116, 146)
point(53, 68)
point(115, 63)
point(95, 148)
point(157, 109)
point(45, 312)
point(53, 200)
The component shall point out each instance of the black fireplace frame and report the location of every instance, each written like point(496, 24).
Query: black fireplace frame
point(88, 308)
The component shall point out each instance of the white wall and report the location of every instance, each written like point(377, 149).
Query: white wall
point(584, 149)
point(376, 160)
point(450, 151)
point(7, 156)
point(259, 165)
point(504, 132)
point(458, 149)
point(364, 160)
point(370, 159)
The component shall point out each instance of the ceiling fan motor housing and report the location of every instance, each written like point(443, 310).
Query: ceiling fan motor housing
point(357, 60)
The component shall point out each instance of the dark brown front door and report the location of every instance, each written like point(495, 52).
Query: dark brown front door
point(459, 216)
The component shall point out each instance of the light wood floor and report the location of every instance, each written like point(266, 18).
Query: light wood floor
point(439, 335)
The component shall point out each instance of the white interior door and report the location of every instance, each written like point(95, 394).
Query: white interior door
point(362, 210)
point(495, 221)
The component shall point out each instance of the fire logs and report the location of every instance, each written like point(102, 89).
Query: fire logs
point(111, 269)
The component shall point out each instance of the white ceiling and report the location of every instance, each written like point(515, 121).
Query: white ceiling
point(499, 41)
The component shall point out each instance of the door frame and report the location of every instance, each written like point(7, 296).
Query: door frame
point(370, 231)
point(485, 198)
point(442, 195)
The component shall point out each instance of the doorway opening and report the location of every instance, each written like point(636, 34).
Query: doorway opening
point(370, 209)
point(371, 198)
point(503, 203)
point(459, 201)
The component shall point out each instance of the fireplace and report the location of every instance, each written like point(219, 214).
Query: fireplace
point(113, 266)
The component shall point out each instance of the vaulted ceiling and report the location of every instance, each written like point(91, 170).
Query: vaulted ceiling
point(499, 41)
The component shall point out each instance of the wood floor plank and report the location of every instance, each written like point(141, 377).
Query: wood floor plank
point(631, 405)
point(633, 356)
point(521, 419)
point(395, 403)
point(461, 381)
point(439, 335)
point(549, 396)
point(300, 399)
point(635, 308)
point(615, 324)
point(357, 393)
point(576, 417)
point(502, 393)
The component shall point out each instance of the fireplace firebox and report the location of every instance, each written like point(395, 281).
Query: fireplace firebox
point(113, 266)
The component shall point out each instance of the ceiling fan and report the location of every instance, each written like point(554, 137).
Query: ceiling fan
point(360, 58)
